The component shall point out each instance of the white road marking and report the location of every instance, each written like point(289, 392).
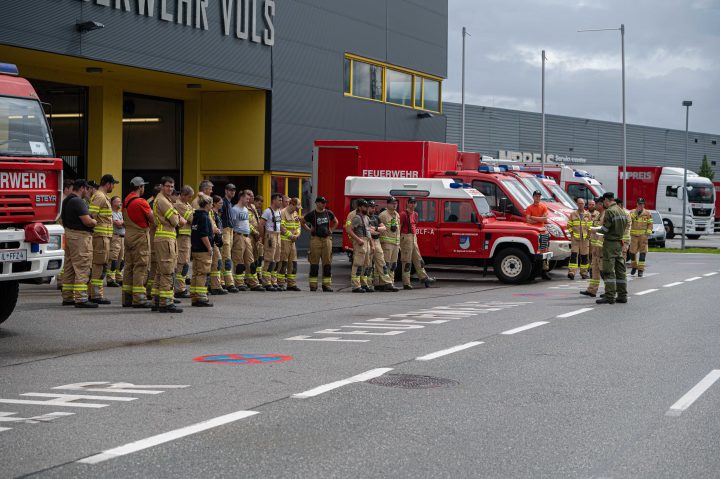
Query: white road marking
point(328, 339)
point(711, 274)
point(573, 313)
point(358, 332)
point(647, 291)
point(373, 373)
point(67, 400)
point(670, 285)
point(691, 396)
point(166, 437)
point(447, 351)
point(6, 417)
point(524, 328)
point(5, 429)
point(124, 388)
point(694, 278)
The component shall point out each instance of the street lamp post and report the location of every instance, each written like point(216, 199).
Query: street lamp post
point(687, 104)
point(542, 141)
point(624, 129)
point(462, 119)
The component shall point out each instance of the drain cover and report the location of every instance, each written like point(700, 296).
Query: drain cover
point(412, 381)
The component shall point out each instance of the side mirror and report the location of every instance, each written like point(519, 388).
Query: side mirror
point(503, 205)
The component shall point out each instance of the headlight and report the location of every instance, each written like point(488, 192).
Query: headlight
point(55, 243)
point(554, 230)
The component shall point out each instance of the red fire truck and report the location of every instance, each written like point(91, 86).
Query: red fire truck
point(30, 190)
point(508, 197)
point(456, 225)
point(716, 184)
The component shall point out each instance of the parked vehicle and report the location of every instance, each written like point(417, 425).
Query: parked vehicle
point(30, 190)
point(658, 235)
point(716, 184)
point(456, 225)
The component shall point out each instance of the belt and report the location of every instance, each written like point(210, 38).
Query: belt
point(243, 234)
point(318, 236)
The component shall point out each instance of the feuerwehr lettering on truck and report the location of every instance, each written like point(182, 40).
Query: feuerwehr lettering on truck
point(391, 173)
point(22, 179)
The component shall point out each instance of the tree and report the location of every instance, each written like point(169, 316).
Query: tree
point(706, 170)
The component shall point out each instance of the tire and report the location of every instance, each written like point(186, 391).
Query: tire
point(693, 237)
point(669, 229)
point(512, 266)
point(9, 291)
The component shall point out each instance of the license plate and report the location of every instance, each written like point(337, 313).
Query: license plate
point(13, 256)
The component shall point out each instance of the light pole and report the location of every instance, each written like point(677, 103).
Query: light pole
point(624, 131)
point(687, 104)
point(462, 120)
point(542, 142)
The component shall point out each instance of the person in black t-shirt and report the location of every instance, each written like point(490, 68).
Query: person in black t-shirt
point(320, 223)
point(78, 246)
point(201, 239)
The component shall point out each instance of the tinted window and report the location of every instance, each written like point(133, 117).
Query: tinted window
point(426, 211)
point(458, 212)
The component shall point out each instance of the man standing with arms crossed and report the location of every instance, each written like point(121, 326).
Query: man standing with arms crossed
point(117, 245)
point(380, 274)
point(227, 237)
point(255, 207)
point(271, 228)
point(320, 223)
point(613, 261)
point(78, 247)
point(359, 233)
point(640, 230)
point(184, 243)
point(101, 211)
point(390, 239)
point(138, 218)
point(596, 247)
point(242, 250)
point(409, 251)
point(290, 220)
point(167, 219)
point(579, 224)
point(537, 215)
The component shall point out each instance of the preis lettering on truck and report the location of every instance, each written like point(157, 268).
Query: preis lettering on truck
point(30, 190)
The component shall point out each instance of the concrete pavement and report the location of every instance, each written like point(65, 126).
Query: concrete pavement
point(558, 387)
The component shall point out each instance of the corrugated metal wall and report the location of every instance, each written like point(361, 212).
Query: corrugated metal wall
point(489, 130)
point(313, 36)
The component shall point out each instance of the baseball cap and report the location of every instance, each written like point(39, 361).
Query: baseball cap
point(80, 183)
point(108, 179)
point(392, 199)
point(537, 193)
point(320, 199)
point(138, 181)
point(92, 184)
point(609, 196)
point(412, 200)
point(371, 203)
point(641, 200)
point(362, 202)
point(230, 186)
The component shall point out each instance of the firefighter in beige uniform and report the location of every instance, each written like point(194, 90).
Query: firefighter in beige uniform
point(138, 218)
point(117, 245)
point(271, 227)
point(185, 209)
point(358, 228)
point(390, 239)
point(101, 211)
point(320, 222)
point(242, 250)
point(78, 247)
point(290, 220)
point(579, 223)
point(167, 219)
point(596, 247)
point(258, 248)
point(640, 230)
point(227, 239)
point(381, 279)
point(409, 250)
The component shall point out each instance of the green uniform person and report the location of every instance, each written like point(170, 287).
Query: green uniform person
point(613, 259)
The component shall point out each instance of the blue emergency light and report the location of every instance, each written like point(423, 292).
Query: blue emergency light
point(582, 174)
point(456, 185)
point(9, 69)
point(488, 169)
point(510, 168)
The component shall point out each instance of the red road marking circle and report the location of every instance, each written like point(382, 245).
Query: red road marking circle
point(242, 358)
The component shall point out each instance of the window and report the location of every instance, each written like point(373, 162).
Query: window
point(372, 80)
point(277, 185)
point(459, 212)
point(490, 192)
point(671, 191)
point(399, 88)
point(367, 80)
point(431, 95)
point(426, 211)
point(579, 191)
point(306, 190)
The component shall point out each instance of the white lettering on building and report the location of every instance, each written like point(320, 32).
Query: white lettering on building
point(532, 157)
point(22, 180)
point(391, 173)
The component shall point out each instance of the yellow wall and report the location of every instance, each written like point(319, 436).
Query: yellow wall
point(232, 131)
point(105, 132)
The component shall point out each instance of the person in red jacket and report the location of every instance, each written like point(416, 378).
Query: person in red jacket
point(409, 251)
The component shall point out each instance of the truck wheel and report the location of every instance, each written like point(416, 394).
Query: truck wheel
point(693, 237)
point(512, 266)
point(669, 229)
point(9, 293)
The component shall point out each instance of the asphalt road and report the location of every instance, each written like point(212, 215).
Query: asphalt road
point(471, 378)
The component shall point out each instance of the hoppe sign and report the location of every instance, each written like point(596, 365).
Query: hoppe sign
point(239, 18)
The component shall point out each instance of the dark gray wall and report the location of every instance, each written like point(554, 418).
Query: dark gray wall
point(488, 130)
point(141, 41)
point(313, 36)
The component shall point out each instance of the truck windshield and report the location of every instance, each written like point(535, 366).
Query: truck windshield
point(23, 130)
point(560, 195)
point(533, 184)
point(701, 193)
point(599, 189)
point(482, 205)
point(518, 191)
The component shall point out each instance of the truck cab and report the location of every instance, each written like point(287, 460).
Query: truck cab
point(508, 198)
point(456, 225)
point(30, 190)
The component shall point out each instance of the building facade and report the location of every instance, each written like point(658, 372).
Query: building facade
point(516, 135)
point(227, 90)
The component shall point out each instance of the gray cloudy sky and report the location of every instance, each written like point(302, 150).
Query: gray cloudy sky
point(672, 53)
